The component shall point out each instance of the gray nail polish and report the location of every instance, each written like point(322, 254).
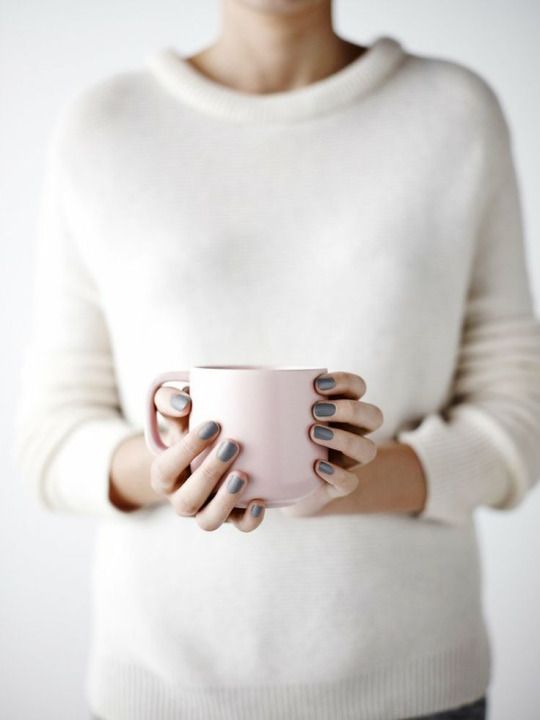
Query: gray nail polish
point(179, 402)
point(323, 433)
point(226, 450)
point(325, 383)
point(323, 409)
point(208, 430)
point(256, 510)
point(235, 483)
point(326, 468)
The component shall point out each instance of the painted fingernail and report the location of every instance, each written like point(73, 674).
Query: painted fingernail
point(323, 433)
point(209, 429)
point(256, 510)
point(179, 401)
point(326, 468)
point(324, 409)
point(226, 450)
point(235, 483)
point(324, 383)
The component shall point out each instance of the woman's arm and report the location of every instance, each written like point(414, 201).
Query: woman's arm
point(129, 482)
point(68, 419)
point(483, 448)
point(73, 445)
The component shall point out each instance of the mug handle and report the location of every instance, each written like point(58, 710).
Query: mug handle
point(151, 431)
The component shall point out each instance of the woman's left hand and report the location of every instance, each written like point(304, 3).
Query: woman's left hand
point(348, 447)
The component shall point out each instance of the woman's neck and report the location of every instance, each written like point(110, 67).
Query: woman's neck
point(261, 52)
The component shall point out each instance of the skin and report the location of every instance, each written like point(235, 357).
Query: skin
point(268, 46)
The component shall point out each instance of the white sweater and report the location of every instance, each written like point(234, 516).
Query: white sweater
point(369, 222)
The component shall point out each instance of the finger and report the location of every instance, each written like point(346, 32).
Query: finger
point(214, 513)
point(361, 448)
point(172, 403)
point(175, 406)
point(249, 518)
point(172, 465)
point(340, 383)
point(364, 415)
point(191, 495)
point(340, 482)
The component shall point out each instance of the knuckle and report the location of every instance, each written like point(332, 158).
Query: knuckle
point(349, 410)
point(370, 449)
point(350, 444)
point(191, 445)
point(206, 523)
point(172, 434)
point(157, 476)
point(207, 471)
point(340, 490)
point(372, 415)
point(157, 487)
point(184, 505)
point(349, 482)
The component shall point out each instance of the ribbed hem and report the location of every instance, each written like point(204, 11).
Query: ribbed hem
point(362, 75)
point(468, 461)
point(119, 690)
point(77, 478)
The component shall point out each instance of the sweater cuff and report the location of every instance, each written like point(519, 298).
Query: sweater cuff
point(77, 477)
point(468, 461)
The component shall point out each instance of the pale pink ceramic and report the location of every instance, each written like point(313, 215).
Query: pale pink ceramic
point(267, 409)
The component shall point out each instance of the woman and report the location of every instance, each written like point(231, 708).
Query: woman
point(285, 196)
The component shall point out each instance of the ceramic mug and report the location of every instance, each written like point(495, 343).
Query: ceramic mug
point(267, 410)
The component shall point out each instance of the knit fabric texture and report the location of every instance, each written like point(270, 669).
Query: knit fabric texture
point(369, 222)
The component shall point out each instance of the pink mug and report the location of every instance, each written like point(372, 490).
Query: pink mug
point(267, 409)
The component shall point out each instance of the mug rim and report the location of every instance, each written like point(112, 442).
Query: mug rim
point(260, 368)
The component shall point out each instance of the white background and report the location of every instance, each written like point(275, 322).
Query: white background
point(52, 48)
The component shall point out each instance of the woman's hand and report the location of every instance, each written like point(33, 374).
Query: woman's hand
point(192, 494)
point(348, 447)
point(138, 478)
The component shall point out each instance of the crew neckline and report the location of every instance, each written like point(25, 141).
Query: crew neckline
point(366, 72)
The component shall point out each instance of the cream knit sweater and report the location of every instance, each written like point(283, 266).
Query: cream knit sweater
point(369, 222)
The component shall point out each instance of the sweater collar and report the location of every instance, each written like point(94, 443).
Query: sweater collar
point(350, 83)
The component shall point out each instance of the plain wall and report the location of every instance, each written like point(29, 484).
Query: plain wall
point(52, 48)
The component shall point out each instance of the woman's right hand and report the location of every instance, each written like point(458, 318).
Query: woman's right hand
point(192, 494)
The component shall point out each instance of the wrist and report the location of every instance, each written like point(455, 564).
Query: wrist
point(406, 485)
point(394, 482)
point(129, 477)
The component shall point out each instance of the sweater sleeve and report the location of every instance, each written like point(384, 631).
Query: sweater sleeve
point(483, 448)
point(68, 418)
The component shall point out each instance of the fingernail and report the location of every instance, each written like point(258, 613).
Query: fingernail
point(324, 383)
point(323, 433)
point(179, 401)
point(209, 429)
point(324, 409)
point(235, 483)
point(226, 450)
point(326, 468)
point(256, 510)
